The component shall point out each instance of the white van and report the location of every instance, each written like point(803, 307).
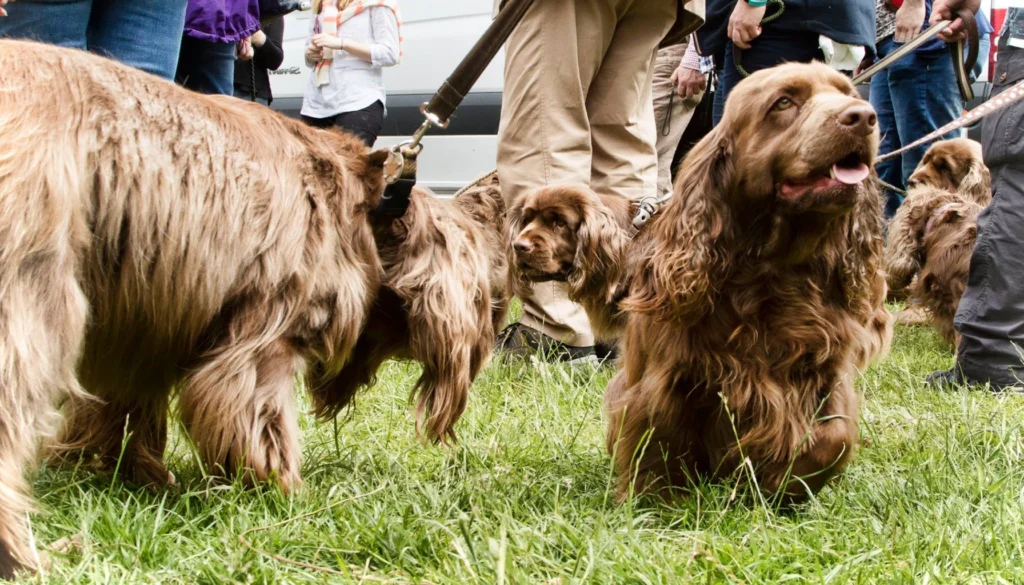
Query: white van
point(438, 34)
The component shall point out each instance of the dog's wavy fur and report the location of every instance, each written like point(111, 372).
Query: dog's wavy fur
point(929, 254)
point(934, 231)
point(749, 314)
point(445, 294)
point(571, 233)
point(153, 238)
point(955, 166)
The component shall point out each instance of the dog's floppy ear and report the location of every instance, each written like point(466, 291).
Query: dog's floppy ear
point(513, 226)
point(906, 233)
point(977, 183)
point(600, 251)
point(687, 250)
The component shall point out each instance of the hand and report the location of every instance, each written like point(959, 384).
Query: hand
point(689, 82)
point(909, 19)
point(258, 38)
point(745, 23)
point(2, 4)
point(328, 42)
point(946, 10)
point(244, 50)
point(864, 64)
point(314, 53)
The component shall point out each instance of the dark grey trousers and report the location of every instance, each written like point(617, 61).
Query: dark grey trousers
point(991, 313)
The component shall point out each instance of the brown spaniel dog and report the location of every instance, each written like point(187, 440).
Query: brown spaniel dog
point(572, 234)
point(928, 253)
point(756, 295)
point(444, 295)
point(955, 166)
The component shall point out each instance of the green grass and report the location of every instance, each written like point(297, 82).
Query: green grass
point(935, 495)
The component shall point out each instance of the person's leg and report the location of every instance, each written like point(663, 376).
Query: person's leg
point(991, 314)
point(145, 34)
point(620, 104)
point(57, 22)
point(890, 171)
point(206, 67)
point(544, 137)
point(772, 48)
point(318, 122)
point(365, 123)
point(672, 113)
point(924, 98)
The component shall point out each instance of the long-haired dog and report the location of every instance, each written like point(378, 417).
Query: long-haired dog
point(444, 295)
point(928, 252)
point(152, 238)
point(757, 295)
point(572, 234)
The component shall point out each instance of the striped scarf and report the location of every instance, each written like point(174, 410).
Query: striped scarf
point(322, 70)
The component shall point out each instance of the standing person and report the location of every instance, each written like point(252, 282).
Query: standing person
point(144, 34)
point(577, 109)
point(346, 88)
point(914, 96)
point(252, 77)
point(216, 32)
point(991, 314)
point(679, 86)
point(792, 37)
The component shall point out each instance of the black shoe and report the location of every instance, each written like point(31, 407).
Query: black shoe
point(607, 353)
point(518, 340)
point(954, 379)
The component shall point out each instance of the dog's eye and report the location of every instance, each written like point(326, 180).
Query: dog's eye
point(783, 103)
point(558, 224)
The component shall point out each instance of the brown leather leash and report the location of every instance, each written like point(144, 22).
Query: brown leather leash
point(400, 167)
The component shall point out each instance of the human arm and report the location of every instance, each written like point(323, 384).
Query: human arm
point(909, 20)
point(946, 10)
point(687, 78)
point(270, 52)
point(383, 52)
point(745, 23)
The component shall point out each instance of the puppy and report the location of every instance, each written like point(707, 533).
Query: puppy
point(756, 297)
point(445, 294)
point(572, 234)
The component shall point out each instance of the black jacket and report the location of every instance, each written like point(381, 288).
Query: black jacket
point(265, 58)
point(851, 22)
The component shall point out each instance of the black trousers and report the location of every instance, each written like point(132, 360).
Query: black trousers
point(365, 123)
point(991, 313)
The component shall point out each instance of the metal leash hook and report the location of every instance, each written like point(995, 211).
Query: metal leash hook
point(400, 168)
point(646, 209)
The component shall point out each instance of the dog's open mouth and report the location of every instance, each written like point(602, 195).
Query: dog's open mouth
point(851, 170)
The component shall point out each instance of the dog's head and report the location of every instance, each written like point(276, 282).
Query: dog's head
point(785, 176)
point(566, 233)
point(956, 166)
point(800, 136)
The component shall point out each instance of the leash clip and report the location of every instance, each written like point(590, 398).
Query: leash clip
point(394, 166)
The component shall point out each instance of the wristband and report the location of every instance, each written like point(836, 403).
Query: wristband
point(757, 3)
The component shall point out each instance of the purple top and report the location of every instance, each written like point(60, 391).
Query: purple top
point(222, 21)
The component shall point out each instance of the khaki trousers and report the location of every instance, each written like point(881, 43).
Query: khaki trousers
point(672, 114)
point(577, 109)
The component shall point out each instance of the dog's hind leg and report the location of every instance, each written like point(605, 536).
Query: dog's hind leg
point(239, 405)
point(125, 432)
point(42, 323)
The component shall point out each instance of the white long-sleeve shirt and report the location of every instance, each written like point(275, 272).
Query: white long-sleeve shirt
point(354, 83)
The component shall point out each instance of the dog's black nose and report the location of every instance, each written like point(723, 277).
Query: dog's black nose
point(522, 245)
point(859, 118)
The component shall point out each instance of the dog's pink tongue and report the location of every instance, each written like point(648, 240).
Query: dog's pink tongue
point(851, 175)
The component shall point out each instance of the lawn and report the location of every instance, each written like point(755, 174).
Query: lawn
point(935, 495)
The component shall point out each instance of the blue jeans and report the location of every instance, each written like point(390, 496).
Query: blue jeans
point(206, 67)
point(772, 48)
point(913, 97)
point(145, 34)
